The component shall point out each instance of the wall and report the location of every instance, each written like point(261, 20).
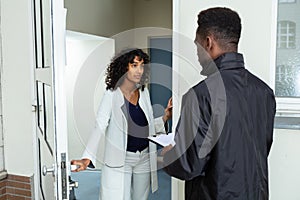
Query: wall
point(87, 59)
point(284, 164)
point(17, 86)
point(258, 46)
point(1, 116)
point(153, 13)
point(100, 17)
point(110, 17)
point(16, 187)
point(253, 44)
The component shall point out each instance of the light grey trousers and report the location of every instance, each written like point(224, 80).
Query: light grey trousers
point(136, 182)
point(137, 175)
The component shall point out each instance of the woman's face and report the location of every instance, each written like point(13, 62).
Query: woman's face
point(135, 70)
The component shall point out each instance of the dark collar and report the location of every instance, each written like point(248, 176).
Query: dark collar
point(230, 60)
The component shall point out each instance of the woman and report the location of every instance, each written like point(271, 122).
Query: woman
point(125, 119)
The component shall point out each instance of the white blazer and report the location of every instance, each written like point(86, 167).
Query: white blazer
point(112, 125)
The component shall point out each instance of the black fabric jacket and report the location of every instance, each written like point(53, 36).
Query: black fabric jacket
point(224, 135)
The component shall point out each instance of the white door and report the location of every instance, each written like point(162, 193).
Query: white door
point(52, 170)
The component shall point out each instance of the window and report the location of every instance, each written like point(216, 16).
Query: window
point(287, 81)
point(287, 73)
point(286, 32)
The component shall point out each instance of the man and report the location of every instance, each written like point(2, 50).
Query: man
point(225, 130)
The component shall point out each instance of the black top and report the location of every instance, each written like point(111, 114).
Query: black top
point(138, 129)
point(224, 135)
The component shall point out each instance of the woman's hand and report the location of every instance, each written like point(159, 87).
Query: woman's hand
point(81, 164)
point(168, 110)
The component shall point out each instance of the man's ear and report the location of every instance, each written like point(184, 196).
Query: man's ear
point(209, 43)
point(212, 47)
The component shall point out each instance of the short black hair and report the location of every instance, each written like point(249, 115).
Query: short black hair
point(119, 66)
point(223, 23)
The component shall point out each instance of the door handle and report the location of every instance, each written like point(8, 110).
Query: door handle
point(46, 170)
point(73, 184)
point(34, 106)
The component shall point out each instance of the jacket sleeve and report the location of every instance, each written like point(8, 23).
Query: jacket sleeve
point(186, 159)
point(98, 132)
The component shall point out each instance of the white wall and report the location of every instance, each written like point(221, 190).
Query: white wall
point(17, 85)
point(1, 116)
point(258, 46)
point(87, 59)
point(284, 164)
point(253, 44)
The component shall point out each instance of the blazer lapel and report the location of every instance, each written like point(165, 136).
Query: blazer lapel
point(120, 103)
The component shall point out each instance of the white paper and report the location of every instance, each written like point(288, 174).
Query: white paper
point(163, 139)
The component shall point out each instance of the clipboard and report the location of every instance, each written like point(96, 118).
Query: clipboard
point(163, 139)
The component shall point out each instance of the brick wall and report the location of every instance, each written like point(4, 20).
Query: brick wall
point(14, 187)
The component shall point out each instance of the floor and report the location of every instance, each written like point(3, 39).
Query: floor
point(89, 183)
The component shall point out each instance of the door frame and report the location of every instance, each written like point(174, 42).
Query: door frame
point(59, 63)
point(177, 185)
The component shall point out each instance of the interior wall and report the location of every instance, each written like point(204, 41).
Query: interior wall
point(110, 17)
point(85, 85)
point(153, 13)
point(152, 18)
point(100, 17)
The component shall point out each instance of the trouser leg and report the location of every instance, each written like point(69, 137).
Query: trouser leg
point(141, 178)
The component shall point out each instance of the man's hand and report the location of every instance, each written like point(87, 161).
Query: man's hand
point(166, 149)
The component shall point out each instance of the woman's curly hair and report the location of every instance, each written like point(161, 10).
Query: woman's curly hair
point(119, 66)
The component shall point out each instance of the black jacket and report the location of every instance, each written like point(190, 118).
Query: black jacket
point(224, 135)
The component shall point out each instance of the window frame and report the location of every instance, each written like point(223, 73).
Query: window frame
point(290, 25)
point(287, 1)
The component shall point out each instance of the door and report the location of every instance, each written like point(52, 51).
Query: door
point(160, 91)
point(51, 133)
